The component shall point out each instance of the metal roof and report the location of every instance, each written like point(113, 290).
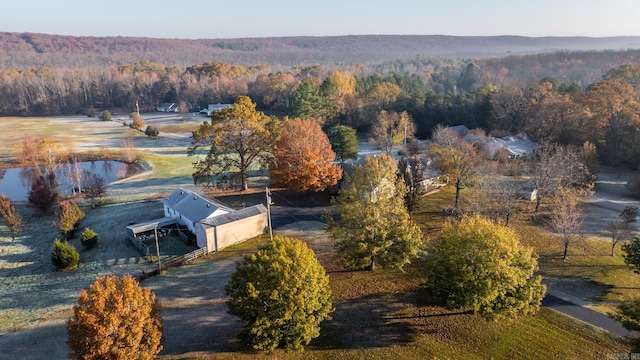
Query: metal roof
point(193, 205)
point(234, 215)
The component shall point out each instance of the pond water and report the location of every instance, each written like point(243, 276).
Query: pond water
point(15, 182)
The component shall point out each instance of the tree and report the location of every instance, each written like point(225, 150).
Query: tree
point(105, 115)
point(42, 196)
point(621, 227)
point(129, 149)
point(482, 266)
point(95, 188)
point(344, 142)
point(455, 158)
point(69, 217)
point(11, 216)
point(303, 159)
point(391, 129)
point(632, 253)
point(281, 293)
point(236, 138)
point(566, 217)
point(64, 256)
point(308, 102)
point(556, 168)
point(115, 319)
point(629, 315)
point(373, 224)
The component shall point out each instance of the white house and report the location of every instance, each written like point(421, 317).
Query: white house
point(189, 208)
point(214, 107)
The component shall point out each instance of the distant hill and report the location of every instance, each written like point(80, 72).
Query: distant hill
point(22, 50)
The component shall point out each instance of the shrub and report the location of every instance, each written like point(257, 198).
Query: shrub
point(105, 116)
point(152, 131)
point(69, 217)
point(64, 256)
point(91, 112)
point(115, 319)
point(89, 238)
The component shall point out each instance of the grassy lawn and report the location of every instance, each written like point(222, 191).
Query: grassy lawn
point(383, 315)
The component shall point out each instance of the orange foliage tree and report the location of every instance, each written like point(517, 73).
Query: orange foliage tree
point(115, 319)
point(303, 159)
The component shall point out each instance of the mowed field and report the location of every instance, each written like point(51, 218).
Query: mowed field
point(379, 315)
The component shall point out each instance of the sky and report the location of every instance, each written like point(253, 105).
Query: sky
point(213, 19)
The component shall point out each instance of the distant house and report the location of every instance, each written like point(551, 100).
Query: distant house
point(167, 107)
point(214, 107)
point(214, 224)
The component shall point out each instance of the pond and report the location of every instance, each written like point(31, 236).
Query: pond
point(16, 182)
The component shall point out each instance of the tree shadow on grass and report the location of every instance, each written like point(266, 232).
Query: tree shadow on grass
point(373, 321)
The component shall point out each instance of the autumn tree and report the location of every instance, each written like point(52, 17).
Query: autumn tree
point(455, 158)
point(344, 142)
point(303, 159)
point(566, 217)
point(136, 121)
point(42, 196)
point(481, 266)
point(10, 215)
point(390, 129)
point(115, 318)
point(281, 293)
point(69, 217)
point(373, 226)
point(236, 138)
point(338, 88)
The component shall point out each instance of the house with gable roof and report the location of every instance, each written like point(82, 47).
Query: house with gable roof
point(214, 224)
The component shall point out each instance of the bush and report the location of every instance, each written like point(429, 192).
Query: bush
point(281, 293)
point(64, 256)
point(105, 116)
point(69, 217)
point(115, 319)
point(152, 131)
point(89, 238)
point(91, 112)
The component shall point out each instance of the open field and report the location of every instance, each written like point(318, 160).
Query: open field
point(378, 315)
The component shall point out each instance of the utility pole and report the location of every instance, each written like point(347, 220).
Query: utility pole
point(269, 213)
point(155, 231)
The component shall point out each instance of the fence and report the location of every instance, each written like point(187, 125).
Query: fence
point(140, 245)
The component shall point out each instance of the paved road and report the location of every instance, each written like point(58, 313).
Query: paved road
point(585, 314)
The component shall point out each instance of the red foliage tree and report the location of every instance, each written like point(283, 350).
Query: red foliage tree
point(303, 159)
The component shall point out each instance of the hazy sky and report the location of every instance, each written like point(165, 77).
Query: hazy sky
point(262, 18)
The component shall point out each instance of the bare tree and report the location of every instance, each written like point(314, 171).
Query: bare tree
point(95, 188)
point(621, 228)
point(558, 167)
point(129, 149)
point(456, 158)
point(566, 217)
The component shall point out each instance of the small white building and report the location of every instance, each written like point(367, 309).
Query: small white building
point(218, 232)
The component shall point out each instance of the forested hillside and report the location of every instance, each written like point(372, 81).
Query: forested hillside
point(25, 50)
point(569, 97)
